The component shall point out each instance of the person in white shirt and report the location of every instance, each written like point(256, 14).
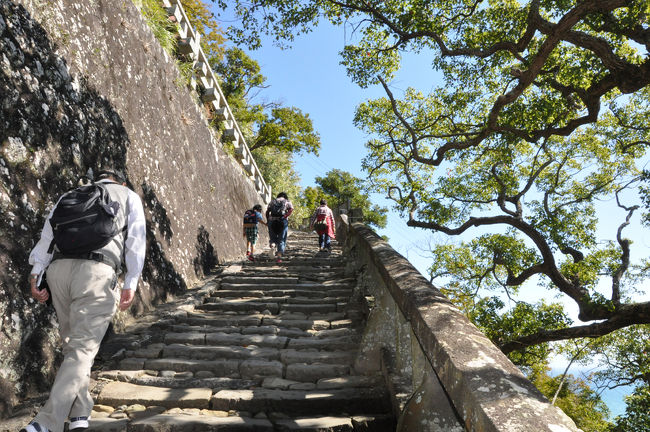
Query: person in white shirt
point(85, 296)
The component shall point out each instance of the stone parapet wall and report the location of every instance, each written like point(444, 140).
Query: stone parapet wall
point(451, 376)
point(85, 83)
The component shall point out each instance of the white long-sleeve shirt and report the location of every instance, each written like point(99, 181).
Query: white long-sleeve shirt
point(134, 246)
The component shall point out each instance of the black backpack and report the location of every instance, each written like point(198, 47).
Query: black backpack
point(250, 217)
point(84, 220)
point(276, 208)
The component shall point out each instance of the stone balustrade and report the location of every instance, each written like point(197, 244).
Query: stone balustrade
point(443, 373)
point(205, 83)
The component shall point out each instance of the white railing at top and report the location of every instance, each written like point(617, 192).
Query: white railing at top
point(211, 93)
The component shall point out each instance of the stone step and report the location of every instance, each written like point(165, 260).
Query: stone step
point(200, 423)
point(302, 285)
point(248, 369)
point(369, 423)
point(302, 403)
point(121, 393)
point(243, 305)
point(227, 339)
point(218, 368)
point(309, 308)
point(302, 324)
point(293, 263)
point(345, 343)
point(203, 352)
point(253, 330)
point(230, 290)
point(259, 297)
point(313, 372)
point(221, 320)
point(170, 380)
point(259, 280)
point(300, 272)
point(287, 356)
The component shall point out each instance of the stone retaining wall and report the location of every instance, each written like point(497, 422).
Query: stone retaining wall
point(444, 373)
point(85, 83)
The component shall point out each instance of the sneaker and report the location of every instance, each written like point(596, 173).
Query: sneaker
point(250, 258)
point(34, 427)
point(279, 260)
point(248, 253)
point(78, 423)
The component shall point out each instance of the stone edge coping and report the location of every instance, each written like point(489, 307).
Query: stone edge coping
point(488, 391)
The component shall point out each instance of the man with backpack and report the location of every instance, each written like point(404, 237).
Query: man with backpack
point(277, 215)
point(91, 231)
point(251, 219)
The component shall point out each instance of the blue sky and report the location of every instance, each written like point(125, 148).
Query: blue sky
point(308, 76)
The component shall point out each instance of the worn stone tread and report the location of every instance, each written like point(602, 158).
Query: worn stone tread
point(231, 352)
point(215, 383)
point(302, 403)
point(119, 393)
point(315, 424)
point(185, 423)
point(223, 368)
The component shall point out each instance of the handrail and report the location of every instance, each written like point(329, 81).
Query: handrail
point(212, 93)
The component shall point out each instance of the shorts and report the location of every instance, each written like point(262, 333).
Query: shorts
point(251, 234)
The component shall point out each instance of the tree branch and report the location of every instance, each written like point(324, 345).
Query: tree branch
point(626, 315)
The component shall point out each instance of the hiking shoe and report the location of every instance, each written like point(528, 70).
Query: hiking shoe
point(78, 423)
point(34, 427)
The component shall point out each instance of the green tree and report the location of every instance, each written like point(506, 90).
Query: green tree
point(342, 189)
point(636, 416)
point(522, 319)
point(576, 399)
point(279, 173)
point(264, 125)
point(624, 360)
point(203, 20)
point(624, 357)
point(543, 113)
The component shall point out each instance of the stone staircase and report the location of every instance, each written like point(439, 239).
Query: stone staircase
point(264, 346)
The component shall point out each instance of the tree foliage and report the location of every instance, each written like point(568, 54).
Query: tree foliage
point(263, 124)
point(279, 173)
point(576, 399)
point(203, 20)
point(543, 114)
point(636, 416)
point(342, 189)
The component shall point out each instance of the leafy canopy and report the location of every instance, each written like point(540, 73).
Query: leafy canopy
point(343, 190)
point(542, 120)
point(263, 124)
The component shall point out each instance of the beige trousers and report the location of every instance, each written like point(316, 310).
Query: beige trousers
point(85, 297)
